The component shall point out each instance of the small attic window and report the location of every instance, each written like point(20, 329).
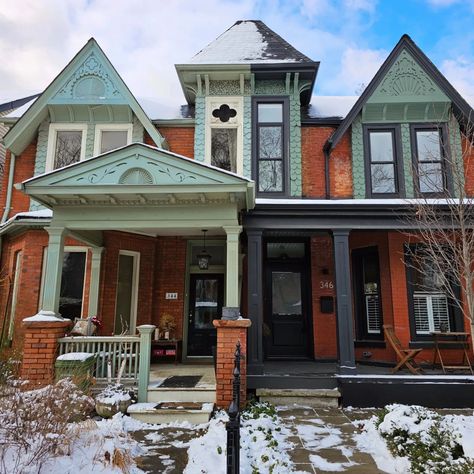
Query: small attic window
point(90, 88)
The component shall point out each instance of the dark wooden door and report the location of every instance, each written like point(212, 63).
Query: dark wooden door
point(205, 304)
point(287, 329)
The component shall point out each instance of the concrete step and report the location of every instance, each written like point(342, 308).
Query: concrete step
point(160, 413)
point(203, 395)
point(317, 398)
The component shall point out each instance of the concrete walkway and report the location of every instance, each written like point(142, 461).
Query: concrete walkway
point(322, 438)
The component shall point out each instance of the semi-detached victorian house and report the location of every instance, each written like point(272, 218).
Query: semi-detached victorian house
point(296, 199)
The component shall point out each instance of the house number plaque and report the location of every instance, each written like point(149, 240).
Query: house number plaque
point(326, 284)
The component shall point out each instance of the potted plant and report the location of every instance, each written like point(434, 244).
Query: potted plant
point(167, 325)
point(114, 398)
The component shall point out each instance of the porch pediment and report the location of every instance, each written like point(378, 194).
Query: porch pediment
point(141, 173)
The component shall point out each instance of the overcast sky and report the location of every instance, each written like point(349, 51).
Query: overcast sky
point(145, 38)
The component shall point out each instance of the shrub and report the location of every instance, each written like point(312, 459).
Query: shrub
point(425, 438)
point(35, 425)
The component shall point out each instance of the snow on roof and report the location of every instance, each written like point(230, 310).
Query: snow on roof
point(331, 106)
point(248, 42)
point(17, 113)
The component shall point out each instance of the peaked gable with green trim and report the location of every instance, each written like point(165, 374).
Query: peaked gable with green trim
point(137, 165)
point(88, 79)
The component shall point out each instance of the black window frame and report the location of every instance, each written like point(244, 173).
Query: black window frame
point(395, 130)
point(445, 151)
point(456, 318)
point(285, 145)
point(362, 332)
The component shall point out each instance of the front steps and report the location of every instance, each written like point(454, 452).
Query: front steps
point(173, 403)
point(160, 413)
point(315, 398)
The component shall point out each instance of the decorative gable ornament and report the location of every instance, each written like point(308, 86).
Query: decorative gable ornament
point(91, 80)
point(406, 79)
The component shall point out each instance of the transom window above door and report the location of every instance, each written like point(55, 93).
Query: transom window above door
point(66, 144)
point(383, 170)
point(109, 137)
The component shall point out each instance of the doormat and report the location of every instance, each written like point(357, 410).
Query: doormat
point(181, 381)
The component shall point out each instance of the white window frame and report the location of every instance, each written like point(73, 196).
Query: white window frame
point(54, 128)
point(135, 285)
point(429, 309)
point(69, 248)
point(17, 264)
point(234, 102)
point(110, 127)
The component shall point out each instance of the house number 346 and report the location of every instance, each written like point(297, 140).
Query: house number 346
point(326, 284)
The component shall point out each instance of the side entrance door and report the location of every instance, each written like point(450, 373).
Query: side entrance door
point(287, 329)
point(206, 296)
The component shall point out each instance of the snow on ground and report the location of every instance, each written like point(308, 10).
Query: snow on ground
point(403, 418)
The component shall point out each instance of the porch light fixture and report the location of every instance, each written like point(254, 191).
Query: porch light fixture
point(203, 257)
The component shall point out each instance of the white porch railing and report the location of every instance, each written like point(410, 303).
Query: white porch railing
point(134, 350)
point(114, 348)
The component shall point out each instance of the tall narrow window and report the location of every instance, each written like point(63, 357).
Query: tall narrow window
point(14, 296)
point(367, 295)
point(428, 148)
point(127, 292)
point(383, 172)
point(72, 284)
point(224, 148)
point(270, 147)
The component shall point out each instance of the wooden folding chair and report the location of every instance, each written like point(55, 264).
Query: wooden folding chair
point(406, 356)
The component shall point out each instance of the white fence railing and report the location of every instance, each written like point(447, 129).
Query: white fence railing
point(114, 348)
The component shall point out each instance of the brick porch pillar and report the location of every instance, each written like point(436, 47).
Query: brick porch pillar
point(229, 332)
point(41, 348)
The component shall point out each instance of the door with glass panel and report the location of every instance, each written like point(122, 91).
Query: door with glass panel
point(205, 304)
point(287, 328)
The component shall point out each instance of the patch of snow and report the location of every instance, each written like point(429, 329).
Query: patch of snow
point(240, 44)
point(321, 463)
point(79, 356)
point(319, 437)
point(140, 407)
point(44, 316)
point(331, 106)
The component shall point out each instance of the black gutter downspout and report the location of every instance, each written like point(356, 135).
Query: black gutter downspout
point(327, 155)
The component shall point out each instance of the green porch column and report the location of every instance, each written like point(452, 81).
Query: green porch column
point(146, 331)
point(232, 268)
point(95, 279)
point(54, 269)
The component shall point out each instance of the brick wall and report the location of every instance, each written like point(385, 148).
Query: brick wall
point(24, 169)
point(322, 270)
point(313, 164)
point(180, 139)
point(468, 155)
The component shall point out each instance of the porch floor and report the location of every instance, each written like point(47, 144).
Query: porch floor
point(312, 368)
point(160, 372)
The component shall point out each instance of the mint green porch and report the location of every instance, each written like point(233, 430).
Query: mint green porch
point(142, 189)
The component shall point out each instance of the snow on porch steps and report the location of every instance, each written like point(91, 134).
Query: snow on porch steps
point(171, 412)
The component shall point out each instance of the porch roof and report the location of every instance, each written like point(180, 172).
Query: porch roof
point(140, 175)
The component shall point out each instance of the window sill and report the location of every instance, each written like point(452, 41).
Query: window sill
point(369, 343)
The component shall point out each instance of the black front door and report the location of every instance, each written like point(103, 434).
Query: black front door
point(287, 328)
point(205, 305)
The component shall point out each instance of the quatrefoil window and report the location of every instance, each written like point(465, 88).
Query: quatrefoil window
point(224, 113)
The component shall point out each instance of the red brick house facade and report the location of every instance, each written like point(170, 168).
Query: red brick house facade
point(317, 211)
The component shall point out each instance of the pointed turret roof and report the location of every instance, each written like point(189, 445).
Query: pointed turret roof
point(249, 42)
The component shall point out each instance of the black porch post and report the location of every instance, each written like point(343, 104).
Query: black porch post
point(255, 302)
point(345, 331)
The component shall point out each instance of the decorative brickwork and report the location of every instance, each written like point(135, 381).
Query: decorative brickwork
point(41, 349)
point(228, 334)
